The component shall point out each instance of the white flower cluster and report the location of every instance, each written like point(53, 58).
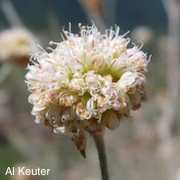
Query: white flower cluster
point(16, 45)
point(90, 80)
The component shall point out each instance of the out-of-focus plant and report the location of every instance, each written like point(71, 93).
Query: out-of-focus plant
point(169, 109)
point(16, 45)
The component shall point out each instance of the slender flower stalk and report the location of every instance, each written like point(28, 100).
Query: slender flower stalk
point(89, 81)
point(99, 141)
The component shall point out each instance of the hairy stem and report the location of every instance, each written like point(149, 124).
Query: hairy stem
point(99, 141)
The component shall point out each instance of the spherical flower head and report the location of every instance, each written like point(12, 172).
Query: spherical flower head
point(16, 45)
point(89, 81)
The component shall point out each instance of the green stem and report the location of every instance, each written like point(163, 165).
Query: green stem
point(99, 141)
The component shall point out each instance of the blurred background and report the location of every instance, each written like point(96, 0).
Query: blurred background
point(144, 148)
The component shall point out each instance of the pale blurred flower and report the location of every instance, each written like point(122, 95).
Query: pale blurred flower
point(143, 34)
point(89, 81)
point(16, 45)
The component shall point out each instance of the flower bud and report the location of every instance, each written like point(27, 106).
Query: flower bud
point(111, 119)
